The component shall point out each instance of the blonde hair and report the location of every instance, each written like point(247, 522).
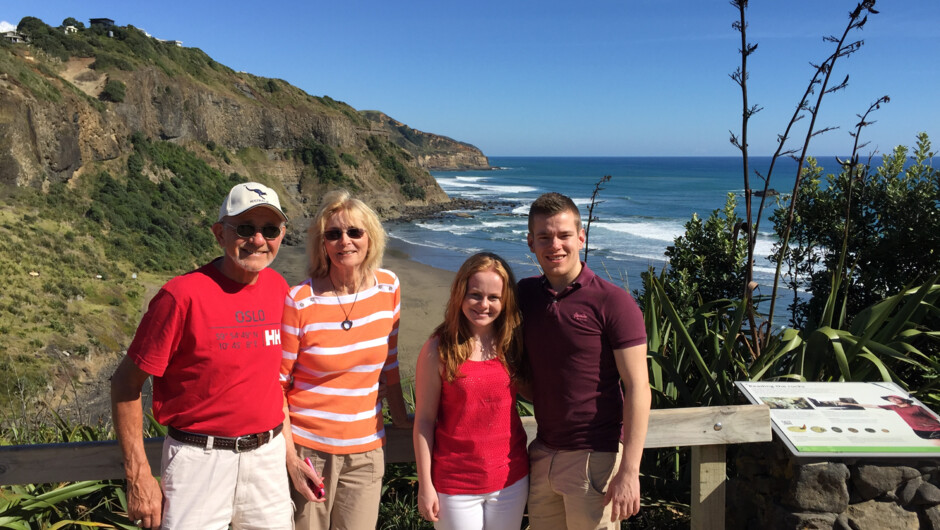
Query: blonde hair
point(358, 213)
point(454, 338)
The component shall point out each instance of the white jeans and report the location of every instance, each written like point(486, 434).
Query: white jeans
point(209, 488)
point(499, 510)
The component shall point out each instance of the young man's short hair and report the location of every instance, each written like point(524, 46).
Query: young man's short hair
point(552, 203)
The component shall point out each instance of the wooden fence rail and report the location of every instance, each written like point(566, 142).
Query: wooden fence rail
point(706, 429)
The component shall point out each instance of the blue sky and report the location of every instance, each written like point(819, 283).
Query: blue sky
point(552, 78)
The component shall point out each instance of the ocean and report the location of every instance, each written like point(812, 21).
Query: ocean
point(641, 210)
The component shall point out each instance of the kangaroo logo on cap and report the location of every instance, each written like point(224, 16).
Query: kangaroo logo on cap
point(259, 192)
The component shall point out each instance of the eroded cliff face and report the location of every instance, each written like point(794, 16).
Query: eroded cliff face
point(432, 152)
point(61, 129)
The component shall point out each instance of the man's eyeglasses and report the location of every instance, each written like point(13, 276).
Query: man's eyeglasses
point(335, 234)
point(268, 232)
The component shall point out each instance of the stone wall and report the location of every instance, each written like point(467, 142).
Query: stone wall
point(769, 489)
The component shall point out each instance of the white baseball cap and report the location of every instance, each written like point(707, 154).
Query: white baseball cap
point(248, 195)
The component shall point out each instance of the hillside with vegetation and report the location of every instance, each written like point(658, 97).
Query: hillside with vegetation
point(116, 149)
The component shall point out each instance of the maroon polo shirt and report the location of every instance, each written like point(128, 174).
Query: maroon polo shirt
point(570, 337)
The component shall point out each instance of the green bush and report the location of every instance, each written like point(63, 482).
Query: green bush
point(105, 61)
point(888, 219)
point(392, 169)
point(349, 159)
point(324, 164)
point(168, 218)
point(707, 261)
point(113, 91)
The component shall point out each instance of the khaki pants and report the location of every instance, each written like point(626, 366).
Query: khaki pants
point(353, 486)
point(566, 488)
point(209, 488)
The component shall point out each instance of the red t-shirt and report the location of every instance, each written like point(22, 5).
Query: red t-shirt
point(479, 442)
point(213, 346)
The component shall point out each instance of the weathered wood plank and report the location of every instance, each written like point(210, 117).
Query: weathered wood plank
point(69, 462)
point(708, 487)
point(697, 426)
point(709, 426)
point(33, 464)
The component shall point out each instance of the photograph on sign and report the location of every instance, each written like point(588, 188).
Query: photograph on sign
point(847, 419)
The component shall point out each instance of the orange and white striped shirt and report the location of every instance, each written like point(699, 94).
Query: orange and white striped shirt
point(331, 375)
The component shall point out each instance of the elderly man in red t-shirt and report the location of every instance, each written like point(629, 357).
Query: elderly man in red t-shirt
point(211, 341)
point(583, 336)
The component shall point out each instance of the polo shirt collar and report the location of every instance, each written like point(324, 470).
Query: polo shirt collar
point(585, 277)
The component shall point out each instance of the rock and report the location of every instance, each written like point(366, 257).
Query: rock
point(881, 516)
point(931, 518)
point(873, 481)
point(819, 487)
point(909, 490)
point(927, 494)
point(809, 520)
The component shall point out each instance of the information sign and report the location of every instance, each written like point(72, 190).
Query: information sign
point(848, 419)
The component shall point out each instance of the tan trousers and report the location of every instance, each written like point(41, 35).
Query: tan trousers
point(353, 486)
point(210, 488)
point(566, 488)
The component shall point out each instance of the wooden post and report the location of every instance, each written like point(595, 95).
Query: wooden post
point(708, 487)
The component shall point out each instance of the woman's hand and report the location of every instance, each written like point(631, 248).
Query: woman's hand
point(300, 473)
point(428, 504)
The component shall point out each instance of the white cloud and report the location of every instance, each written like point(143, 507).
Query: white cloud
point(6, 26)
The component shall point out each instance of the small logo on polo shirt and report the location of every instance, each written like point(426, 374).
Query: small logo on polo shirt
point(580, 317)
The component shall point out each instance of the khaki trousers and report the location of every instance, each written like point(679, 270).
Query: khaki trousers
point(566, 488)
point(210, 488)
point(353, 486)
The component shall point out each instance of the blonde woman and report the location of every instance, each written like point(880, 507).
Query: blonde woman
point(470, 446)
point(340, 342)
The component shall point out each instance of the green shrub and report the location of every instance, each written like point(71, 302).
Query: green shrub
point(105, 61)
point(113, 91)
point(349, 159)
point(392, 169)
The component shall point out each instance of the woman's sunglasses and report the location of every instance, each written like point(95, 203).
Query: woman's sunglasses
point(268, 232)
point(335, 234)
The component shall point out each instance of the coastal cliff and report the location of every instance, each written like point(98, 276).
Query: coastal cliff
point(70, 103)
point(431, 151)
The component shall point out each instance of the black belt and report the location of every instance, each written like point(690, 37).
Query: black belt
point(238, 444)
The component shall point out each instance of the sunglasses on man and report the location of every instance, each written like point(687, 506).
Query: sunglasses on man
point(335, 234)
point(268, 232)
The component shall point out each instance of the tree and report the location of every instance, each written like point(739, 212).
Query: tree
point(708, 261)
point(70, 21)
point(882, 226)
point(31, 26)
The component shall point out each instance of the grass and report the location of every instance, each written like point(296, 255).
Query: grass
point(54, 303)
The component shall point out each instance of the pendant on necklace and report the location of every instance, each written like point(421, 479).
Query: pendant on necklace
point(347, 324)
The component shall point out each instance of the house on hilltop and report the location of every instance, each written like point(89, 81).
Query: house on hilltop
point(101, 22)
point(70, 29)
point(14, 37)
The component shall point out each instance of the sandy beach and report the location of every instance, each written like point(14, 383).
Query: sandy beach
point(424, 292)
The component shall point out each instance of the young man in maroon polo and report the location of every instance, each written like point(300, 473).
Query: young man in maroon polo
point(211, 341)
point(583, 336)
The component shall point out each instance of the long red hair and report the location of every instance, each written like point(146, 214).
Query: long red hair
point(455, 342)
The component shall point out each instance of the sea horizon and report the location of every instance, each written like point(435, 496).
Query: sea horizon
point(639, 212)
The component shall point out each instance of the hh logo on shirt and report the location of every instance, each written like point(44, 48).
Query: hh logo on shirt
point(272, 336)
point(580, 317)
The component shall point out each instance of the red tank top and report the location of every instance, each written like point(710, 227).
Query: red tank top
point(479, 442)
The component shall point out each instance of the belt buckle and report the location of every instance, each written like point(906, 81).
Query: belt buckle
point(238, 439)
